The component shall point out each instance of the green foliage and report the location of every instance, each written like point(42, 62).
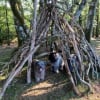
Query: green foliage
point(67, 17)
point(3, 25)
point(28, 11)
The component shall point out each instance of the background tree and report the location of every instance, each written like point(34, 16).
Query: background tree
point(20, 26)
point(97, 19)
point(90, 19)
point(7, 32)
point(8, 39)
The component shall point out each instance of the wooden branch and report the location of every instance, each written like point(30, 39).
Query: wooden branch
point(68, 71)
point(83, 81)
point(74, 44)
point(16, 70)
point(32, 41)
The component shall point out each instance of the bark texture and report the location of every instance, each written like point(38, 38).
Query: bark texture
point(89, 24)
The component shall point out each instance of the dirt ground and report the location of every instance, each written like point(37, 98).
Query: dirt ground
point(53, 88)
point(50, 90)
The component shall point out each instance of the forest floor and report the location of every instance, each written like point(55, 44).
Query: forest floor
point(55, 86)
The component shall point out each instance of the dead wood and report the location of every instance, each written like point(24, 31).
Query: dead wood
point(67, 36)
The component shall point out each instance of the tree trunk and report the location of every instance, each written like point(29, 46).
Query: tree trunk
point(20, 26)
point(94, 32)
point(80, 20)
point(79, 10)
point(33, 35)
point(97, 18)
point(89, 24)
point(8, 39)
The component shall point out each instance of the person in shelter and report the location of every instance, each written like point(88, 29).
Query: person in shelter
point(57, 61)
